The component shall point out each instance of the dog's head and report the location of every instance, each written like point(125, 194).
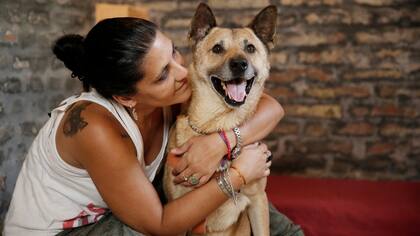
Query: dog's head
point(233, 61)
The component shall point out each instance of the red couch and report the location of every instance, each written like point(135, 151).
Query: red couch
point(325, 207)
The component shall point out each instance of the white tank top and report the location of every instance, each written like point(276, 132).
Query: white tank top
point(51, 195)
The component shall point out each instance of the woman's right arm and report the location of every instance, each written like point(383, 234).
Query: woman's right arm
point(109, 157)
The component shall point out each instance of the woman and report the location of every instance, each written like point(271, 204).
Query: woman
point(101, 150)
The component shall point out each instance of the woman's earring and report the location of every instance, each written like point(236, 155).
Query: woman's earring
point(134, 113)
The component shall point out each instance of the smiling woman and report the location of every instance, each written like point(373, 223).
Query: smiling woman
point(100, 150)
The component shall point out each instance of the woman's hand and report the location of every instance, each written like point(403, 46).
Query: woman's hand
point(201, 157)
point(252, 162)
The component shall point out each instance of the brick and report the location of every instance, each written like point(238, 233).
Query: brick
point(387, 91)
point(361, 16)
point(30, 128)
point(320, 147)
point(308, 39)
point(357, 129)
point(35, 85)
point(394, 111)
point(277, 58)
point(380, 148)
point(390, 53)
point(400, 35)
point(393, 129)
point(377, 163)
point(1, 110)
point(297, 163)
point(281, 92)
point(332, 17)
point(6, 134)
point(374, 74)
point(166, 6)
point(289, 75)
point(11, 85)
point(335, 56)
point(360, 112)
point(315, 130)
point(319, 111)
point(310, 2)
point(184, 5)
point(38, 17)
point(20, 64)
point(374, 2)
point(9, 37)
point(287, 128)
point(344, 165)
point(177, 23)
point(332, 56)
point(2, 183)
point(339, 16)
point(392, 91)
point(179, 37)
point(234, 4)
point(344, 91)
point(287, 19)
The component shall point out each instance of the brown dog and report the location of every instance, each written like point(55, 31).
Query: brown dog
point(227, 75)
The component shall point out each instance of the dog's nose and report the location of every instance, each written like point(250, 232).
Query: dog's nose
point(238, 66)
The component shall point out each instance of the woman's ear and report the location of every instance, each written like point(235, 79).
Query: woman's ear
point(126, 101)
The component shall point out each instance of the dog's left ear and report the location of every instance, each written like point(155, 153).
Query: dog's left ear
point(202, 22)
point(264, 25)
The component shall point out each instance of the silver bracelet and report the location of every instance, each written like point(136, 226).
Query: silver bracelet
point(237, 149)
point(229, 182)
point(222, 186)
point(223, 180)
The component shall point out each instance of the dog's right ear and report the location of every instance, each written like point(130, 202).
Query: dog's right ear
point(264, 25)
point(202, 22)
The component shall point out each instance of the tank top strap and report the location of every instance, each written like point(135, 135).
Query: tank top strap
point(117, 110)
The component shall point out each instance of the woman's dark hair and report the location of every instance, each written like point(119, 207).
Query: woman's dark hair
point(109, 58)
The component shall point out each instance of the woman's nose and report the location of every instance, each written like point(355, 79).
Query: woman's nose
point(181, 71)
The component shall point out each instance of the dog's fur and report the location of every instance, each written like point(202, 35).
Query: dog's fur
point(210, 112)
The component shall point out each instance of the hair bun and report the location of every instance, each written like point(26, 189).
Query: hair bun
point(70, 50)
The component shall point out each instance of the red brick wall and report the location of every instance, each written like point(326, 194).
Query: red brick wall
point(348, 76)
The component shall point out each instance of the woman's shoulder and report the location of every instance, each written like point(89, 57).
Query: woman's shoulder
point(87, 125)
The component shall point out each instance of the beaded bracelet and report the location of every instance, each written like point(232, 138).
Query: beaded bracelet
point(223, 136)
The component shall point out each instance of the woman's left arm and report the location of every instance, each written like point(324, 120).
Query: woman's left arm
point(269, 112)
point(205, 152)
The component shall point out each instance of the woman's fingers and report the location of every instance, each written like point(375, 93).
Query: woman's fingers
point(183, 176)
point(192, 180)
point(182, 149)
point(181, 166)
point(204, 179)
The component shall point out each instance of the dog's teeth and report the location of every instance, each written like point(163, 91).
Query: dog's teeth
point(224, 86)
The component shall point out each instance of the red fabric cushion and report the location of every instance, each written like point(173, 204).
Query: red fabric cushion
point(348, 207)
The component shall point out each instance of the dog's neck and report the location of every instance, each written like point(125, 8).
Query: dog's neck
point(208, 113)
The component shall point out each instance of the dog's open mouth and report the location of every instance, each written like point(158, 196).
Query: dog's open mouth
point(233, 91)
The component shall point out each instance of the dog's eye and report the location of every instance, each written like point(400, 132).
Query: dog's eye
point(250, 48)
point(217, 49)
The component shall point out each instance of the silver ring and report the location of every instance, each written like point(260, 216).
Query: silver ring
point(193, 180)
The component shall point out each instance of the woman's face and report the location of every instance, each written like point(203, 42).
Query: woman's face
point(165, 77)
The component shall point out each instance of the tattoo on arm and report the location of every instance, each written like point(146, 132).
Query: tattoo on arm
point(74, 121)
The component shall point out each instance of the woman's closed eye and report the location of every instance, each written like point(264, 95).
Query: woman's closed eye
point(164, 75)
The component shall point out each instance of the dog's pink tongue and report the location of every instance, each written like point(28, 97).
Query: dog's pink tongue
point(236, 91)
